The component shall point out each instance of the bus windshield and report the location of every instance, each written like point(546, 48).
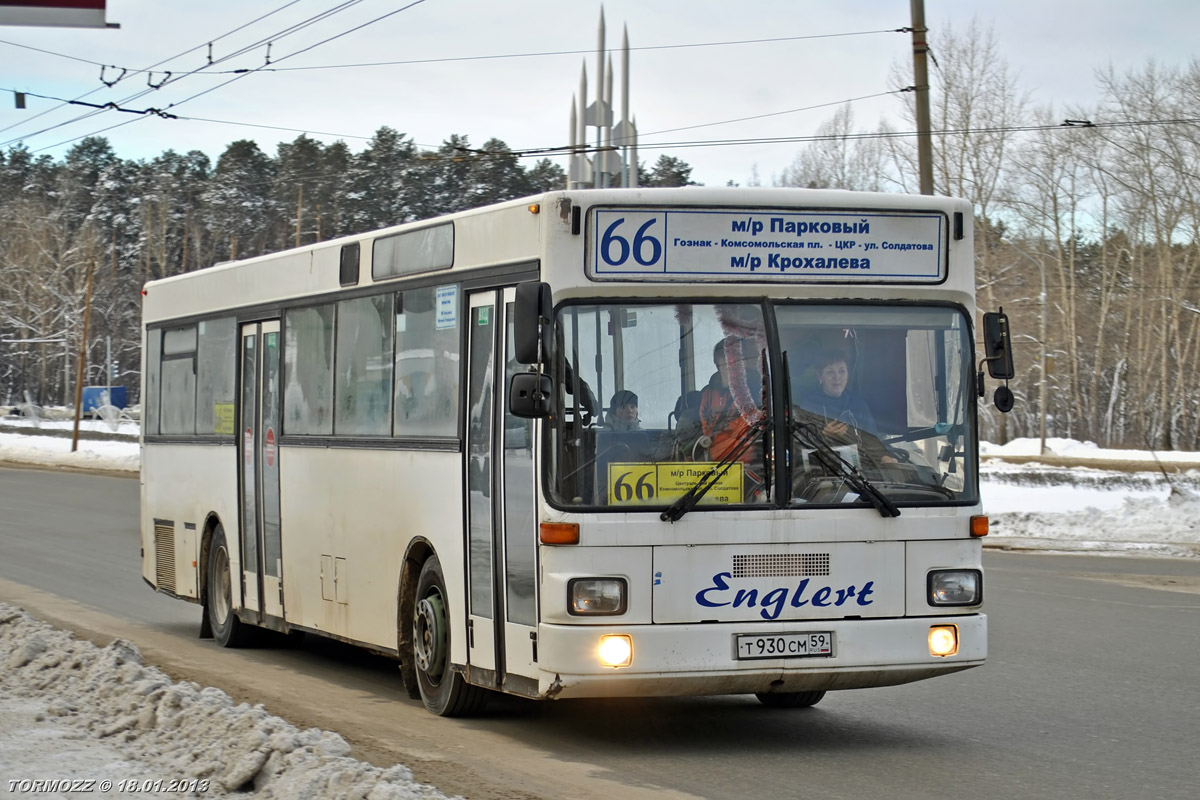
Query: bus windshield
point(766, 403)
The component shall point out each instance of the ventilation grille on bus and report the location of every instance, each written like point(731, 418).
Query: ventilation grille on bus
point(786, 565)
point(164, 554)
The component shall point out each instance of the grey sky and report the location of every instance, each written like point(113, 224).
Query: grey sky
point(1053, 46)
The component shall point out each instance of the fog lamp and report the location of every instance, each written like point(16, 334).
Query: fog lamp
point(955, 587)
point(943, 640)
point(616, 650)
point(596, 596)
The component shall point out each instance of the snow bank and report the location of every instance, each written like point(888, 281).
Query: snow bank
point(1084, 451)
point(72, 710)
point(53, 451)
point(1035, 507)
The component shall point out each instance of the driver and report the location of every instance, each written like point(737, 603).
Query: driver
point(839, 411)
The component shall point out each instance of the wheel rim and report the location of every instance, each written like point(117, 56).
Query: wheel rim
point(429, 636)
point(221, 602)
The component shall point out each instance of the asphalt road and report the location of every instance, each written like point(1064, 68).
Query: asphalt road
point(1092, 688)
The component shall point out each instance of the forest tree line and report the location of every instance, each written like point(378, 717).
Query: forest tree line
point(124, 222)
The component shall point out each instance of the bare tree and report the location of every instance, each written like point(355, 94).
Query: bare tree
point(840, 159)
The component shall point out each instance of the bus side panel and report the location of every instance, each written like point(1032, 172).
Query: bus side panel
point(189, 483)
point(347, 516)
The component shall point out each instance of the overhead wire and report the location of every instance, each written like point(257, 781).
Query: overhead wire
point(1065, 125)
point(287, 31)
point(276, 37)
point(246, 74)
point(147, 69)
point(490, 57)
point(541, 54)
point(669, 130)
point(567, 149)
point(771, 114)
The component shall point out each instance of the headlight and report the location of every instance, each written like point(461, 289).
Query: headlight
point(616, 650)
point(955, 587)
point(596, 596)
point(943, 640)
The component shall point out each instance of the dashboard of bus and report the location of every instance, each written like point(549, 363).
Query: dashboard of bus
point(666, 406)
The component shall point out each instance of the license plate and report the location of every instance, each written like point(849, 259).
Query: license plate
point(783, 645)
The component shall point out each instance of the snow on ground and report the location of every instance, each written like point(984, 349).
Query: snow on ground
point(1088, 509)
point(48, 442)
point(71, 710)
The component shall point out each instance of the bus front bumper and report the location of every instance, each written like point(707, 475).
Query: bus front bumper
point(701, 659)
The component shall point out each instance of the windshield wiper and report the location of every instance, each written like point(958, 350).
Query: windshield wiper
point(688, 501)
point(809, 435)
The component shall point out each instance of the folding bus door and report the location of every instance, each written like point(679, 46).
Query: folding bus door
point(481, 599)
point(518, 520)
point(501, 531)
point(261, 546)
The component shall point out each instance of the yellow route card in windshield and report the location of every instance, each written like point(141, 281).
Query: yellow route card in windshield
point(663, 482)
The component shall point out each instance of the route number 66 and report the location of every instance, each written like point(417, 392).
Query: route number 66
point(624, 490)
point(616, 246)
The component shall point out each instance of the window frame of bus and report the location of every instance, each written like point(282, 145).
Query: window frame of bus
point(558, 361)
point(560, 368)
point(396, 293)
point(412, 252)
point(202, 365)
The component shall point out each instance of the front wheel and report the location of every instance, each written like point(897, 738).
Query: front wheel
point(789, 699)
point(443, 689)
point(227, 629)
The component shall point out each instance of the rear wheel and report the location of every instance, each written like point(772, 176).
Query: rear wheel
point(443, 689)
point(789, 699)
point(227, 629)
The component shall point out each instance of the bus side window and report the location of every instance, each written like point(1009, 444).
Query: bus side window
point(216, 364)
point(150, 388)
point(363, 381)
point(179, 380)
point(427, 362)
point(308, 354)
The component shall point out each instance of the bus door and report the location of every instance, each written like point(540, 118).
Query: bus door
point(259, 412)
point(502, 541)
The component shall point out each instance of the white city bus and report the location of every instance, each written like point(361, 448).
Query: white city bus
point(406, 440)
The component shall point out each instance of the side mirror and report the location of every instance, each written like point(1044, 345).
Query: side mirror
point(531, 339)
point(529, 395)
point(997, 345)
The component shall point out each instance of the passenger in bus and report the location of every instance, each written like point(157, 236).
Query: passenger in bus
point(623, 411)
point(688, 430)
point(720, 418)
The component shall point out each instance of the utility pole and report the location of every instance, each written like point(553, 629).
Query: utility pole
point(81, 375)
point(921, 88)
point(299, 210)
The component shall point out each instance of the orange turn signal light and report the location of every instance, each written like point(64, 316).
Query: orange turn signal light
point(559, 533)
point(535, 208)
point(979, 525)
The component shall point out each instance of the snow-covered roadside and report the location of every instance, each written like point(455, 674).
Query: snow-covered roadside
point(44, 450)
point(82, 716)
point(1033, 506)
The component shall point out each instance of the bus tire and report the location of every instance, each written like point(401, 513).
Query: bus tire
point(443, 689)
point(227, 629)
point(789, 699)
